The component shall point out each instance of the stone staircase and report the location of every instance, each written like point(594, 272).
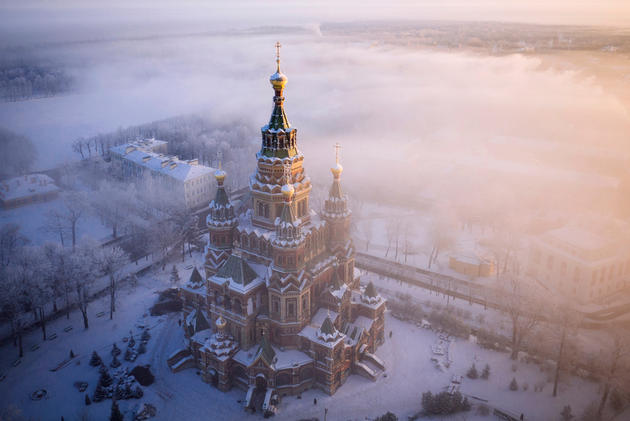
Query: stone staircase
point(180, 360)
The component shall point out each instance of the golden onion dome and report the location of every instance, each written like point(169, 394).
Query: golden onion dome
point(219, 175)
point(278, 80)
point(337, 170)
point(288, 190)
point(220, 322)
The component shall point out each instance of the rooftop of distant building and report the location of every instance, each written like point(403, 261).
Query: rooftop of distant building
point(142, 152)
point(26, 186)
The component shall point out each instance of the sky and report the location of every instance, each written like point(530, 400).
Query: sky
point(474, 127)
point(583, 12)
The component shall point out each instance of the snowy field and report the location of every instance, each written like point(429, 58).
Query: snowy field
point(409, 372)
point(32, 221)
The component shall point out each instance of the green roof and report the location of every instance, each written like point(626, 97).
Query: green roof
point(221, 198)
point(278, 118)
point(327, 327)
point(195, 277)
point(370, 291)
point(237, 269)
point(265, 351)
point(335, 280)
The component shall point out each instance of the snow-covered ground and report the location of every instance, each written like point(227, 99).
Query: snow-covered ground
point(407, 354)
point(32, 221)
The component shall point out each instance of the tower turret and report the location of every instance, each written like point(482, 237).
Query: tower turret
point(337, 215)
point(221, 222)
point(278, 147)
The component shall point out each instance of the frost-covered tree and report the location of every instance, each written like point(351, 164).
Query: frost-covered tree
point(513, 385)
point(525, 312)
point(174, 276)
point(109, 261)
point(616, 366)
point(11, 240)
point(485, 374)
point(472, 372)
point(17, 154)
point(74, 204)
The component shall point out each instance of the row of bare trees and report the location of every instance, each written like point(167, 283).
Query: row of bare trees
point(38, 280)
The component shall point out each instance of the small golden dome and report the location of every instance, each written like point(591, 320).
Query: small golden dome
point(337, 170)
point(219, 175)
point(278, 80)
point(220, 323)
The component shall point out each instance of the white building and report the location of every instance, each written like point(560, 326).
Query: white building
point(185, 180)
point(581, 264)
point(26, 189)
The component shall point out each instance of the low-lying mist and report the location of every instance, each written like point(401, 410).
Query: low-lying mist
point(490, 134)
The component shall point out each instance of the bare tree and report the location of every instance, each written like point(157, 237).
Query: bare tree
point(55, 224)
point(38, 284)
point(77, 146)
point(564, 326)
point(10, 241)
point(442, 238)
point(525, 312)
point(82, 272)
point(113, 204)
point(616, 365)
point(74, 206)
point(109, 261)
point(13, 303)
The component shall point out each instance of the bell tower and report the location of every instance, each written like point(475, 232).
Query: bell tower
point(221, 222)
point(337, 216)
point(278, 149)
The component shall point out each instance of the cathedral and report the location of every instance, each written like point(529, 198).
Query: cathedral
point(280, 309)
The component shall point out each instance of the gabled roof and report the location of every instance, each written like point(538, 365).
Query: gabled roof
point(221, 198)
point(265, 351)
point(327, 327)
point(370, 291)
point(195, 278)
point(237, 269)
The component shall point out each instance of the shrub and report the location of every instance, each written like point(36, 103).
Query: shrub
point(388, 416)
point(513, 385)
point(444, 403)
point(483, 409)
point(485, 374)
point(472, 372)
point(95, 361)
point(617, 402)
point(143, 375)
point(566, 414)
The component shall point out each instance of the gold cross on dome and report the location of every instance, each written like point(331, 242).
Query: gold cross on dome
point(337, 148)
point(278, 45)
point(219, 157)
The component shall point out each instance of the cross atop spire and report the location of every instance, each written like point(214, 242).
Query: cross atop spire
point(337, 148)
point(278, 45)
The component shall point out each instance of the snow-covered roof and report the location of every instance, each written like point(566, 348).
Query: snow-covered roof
point(26, 186)
point(578, 237)
point(168, 165)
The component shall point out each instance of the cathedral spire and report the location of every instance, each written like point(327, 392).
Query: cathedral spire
point(335, 189)
point(278, 137)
